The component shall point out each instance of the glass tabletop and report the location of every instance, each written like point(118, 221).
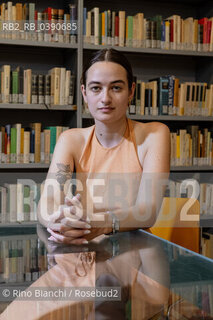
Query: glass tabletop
point(131, 275)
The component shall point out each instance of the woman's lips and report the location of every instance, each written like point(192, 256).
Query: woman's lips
point(106, 109)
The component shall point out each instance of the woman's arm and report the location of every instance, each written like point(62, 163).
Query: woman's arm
point(60, 171)
point(156, 167)
point(53, 207)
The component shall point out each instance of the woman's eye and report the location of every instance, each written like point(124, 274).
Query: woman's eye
point(95, 89)
point(116, 88)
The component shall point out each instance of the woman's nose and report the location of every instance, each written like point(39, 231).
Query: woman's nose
point(106, 98)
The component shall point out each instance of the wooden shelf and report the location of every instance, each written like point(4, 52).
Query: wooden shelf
point(37, 106)
point(46, 166)
point(161, 118)
point(38, 43)
point(191, 168)
point(171, 118)
point(31, 224)
point(24, 165)
point(150, 50)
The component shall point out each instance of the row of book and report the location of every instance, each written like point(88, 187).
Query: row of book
point(28, 145)
point(24, 22)
point(192, 146)
point(186, 189)
point(174, 32)
point(22, 259)
point(23, 86)
point(167, 96)
point(18, 202)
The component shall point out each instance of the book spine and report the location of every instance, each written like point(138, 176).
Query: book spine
point(171, 94)
point(13, 146)
point(71, 90)
point(6, 84)
point(32, 146)
point(148, 101)
point(26, 147)
point(34, 89)
point(47, 89)
point(15, 88)
point(18, 142)
point(40, 89)
point(52, 141)
point(163, 95)
point(121, 28)
point(37, 128)
point(46, 145)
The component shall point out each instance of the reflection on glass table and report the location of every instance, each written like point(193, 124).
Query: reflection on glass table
point(132, 275)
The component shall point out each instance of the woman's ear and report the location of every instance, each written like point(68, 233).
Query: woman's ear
point(132, 91)
point(83, 90)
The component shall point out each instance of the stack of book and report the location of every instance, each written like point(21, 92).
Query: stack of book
point(28, 145)
point(174, 32)
point(24, 22)
point(23, 86)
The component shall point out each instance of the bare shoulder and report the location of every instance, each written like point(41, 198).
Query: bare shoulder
point(74, 139)
point(144, 132)
point(153, 146)
point(71, 143)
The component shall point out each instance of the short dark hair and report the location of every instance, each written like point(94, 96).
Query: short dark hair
point(110, 55)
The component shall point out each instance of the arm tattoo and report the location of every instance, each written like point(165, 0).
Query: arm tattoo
point(63, 174)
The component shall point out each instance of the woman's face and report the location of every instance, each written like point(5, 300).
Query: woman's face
point(107, 93)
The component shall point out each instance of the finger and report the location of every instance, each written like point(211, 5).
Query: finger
point(76, 233)
point(69, 200)
point(78, 196)
point(61, 228)
point(78, 241)
point(57, 215)
point(51, 238)
point(76, 200)
point(67, 232)
point(70, 210)
point(62, 239)
point(73, 209)
point(74, 212)
point(58, 236)
point(75, 223)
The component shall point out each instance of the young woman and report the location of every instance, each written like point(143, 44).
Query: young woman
point(120, 164)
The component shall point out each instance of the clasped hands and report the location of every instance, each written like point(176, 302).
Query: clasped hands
point(69, 224)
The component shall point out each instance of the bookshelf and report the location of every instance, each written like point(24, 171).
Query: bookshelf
point(147, 63)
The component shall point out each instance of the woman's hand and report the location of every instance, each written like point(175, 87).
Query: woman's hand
point(68, 225)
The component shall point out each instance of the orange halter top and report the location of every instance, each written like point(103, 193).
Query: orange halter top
point(122, 158)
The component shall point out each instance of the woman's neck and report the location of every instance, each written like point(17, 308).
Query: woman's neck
point(110, 134)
